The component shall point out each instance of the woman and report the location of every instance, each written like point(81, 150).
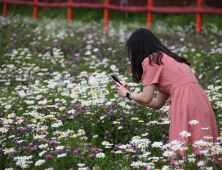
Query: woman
point(157, 67)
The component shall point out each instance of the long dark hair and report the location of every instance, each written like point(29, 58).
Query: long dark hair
point(143, 43)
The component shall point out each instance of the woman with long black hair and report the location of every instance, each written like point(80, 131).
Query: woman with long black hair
point(157, 67)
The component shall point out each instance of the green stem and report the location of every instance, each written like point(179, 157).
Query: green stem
point(116, 135)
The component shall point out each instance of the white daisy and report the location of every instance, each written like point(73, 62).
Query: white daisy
point(100, 155)
point(185, 134)
point(62, 155)
point(193, 122)
point(39, 162)
point(168, 153)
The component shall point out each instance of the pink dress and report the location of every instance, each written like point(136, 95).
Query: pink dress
point(188, 99)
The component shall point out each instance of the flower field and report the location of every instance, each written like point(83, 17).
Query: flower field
point(59, 108)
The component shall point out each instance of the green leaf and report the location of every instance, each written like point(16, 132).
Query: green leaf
point(190, 149)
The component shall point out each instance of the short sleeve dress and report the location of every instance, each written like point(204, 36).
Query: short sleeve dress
point(188, 99)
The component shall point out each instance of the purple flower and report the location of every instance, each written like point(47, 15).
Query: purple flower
point(42, 139)
point(173, 164)
point(89, 145)
point(136, 129)
point(120, 165)
point(82, 159)
point(86, 151)
point(79, 150)
point(67, 151)
point(34, 148)
point(52, 143)
point(217, 163)
point(94, 150)
point(68, 147)
point(59, 151)
point(48, 157)
point(107, 132)
point(91, 156)
point(75, 152)
point(198, 155)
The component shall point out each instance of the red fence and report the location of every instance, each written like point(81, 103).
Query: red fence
point(149, 6)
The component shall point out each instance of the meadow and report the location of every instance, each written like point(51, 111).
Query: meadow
point(59, 108)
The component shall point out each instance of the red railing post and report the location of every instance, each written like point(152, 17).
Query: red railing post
point(149, 15)
point(5, 9)
point(105, 16)
point(69, 13)
point(35, 11)
point(199, 18)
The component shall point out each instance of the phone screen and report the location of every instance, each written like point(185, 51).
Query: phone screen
point(115, 79)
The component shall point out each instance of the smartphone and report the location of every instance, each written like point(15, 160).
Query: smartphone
point(115, 79)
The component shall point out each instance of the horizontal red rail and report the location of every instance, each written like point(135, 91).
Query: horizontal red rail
point(170, 10)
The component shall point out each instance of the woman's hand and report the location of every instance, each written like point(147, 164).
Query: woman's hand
point(168, 100)
point(126, 86)
point(121, 90)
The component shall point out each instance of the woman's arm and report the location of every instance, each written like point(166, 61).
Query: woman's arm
point(145, 97)
point(157, 102)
